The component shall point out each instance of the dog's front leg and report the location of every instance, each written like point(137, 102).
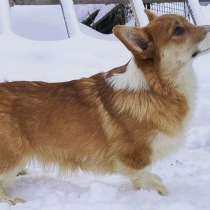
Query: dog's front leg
point(146, 180)
point(140, 175)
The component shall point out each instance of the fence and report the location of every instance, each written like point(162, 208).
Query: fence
point(179, 7)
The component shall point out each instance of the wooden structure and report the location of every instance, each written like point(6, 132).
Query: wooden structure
point(104, 25)
point(115, 17)
point(54, 2)
point(204, 2)
point(181, 7)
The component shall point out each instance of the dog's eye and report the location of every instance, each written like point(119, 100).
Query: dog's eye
point(179, 31)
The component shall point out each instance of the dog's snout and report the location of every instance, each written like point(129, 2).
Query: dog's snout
point(201, 33)
point(204, 31)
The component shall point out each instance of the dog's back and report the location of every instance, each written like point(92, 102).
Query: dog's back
point(56, 123)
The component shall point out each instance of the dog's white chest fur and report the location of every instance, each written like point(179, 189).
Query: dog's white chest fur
point(163, 145)
point(133, 80)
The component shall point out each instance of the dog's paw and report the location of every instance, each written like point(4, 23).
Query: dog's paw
point(157, 185)
point(19, 200)
point(22, 173)
point(11, 201)
point(150, 182)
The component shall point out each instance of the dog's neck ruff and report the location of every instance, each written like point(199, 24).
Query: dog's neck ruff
point(132, 79)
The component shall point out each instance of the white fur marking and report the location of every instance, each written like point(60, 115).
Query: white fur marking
point(164, 145)
point(149, 181)
point(132, 80)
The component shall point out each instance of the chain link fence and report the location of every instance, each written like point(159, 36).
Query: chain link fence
point(179, 7)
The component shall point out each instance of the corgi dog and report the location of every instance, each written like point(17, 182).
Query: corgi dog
point(121, 121)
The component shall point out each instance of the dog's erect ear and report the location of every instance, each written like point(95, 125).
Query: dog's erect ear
point(151, 16)
point(136, 40)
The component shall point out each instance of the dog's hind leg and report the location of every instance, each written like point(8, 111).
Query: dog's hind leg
point(22, 172)
point(5, 179)
point(4, 197)
point(13, 148)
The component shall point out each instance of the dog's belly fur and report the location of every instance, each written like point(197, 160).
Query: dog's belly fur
point(163, 145)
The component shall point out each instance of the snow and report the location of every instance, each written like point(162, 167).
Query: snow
point(103, 11)
point(186, 174)
point(84, 10)
point(49, 26)
point(5, 16)
point(201, 13)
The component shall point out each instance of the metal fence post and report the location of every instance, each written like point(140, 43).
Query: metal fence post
point(70, 17)
point(5, 18)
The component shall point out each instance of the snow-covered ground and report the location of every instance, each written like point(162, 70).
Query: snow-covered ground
point(187, 174)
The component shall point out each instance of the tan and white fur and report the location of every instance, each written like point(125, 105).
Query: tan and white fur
point(121, 121)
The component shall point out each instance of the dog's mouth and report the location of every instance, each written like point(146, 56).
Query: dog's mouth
point(198, 52)
point(195, 53)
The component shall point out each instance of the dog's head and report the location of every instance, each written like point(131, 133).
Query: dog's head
point(167, 43)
